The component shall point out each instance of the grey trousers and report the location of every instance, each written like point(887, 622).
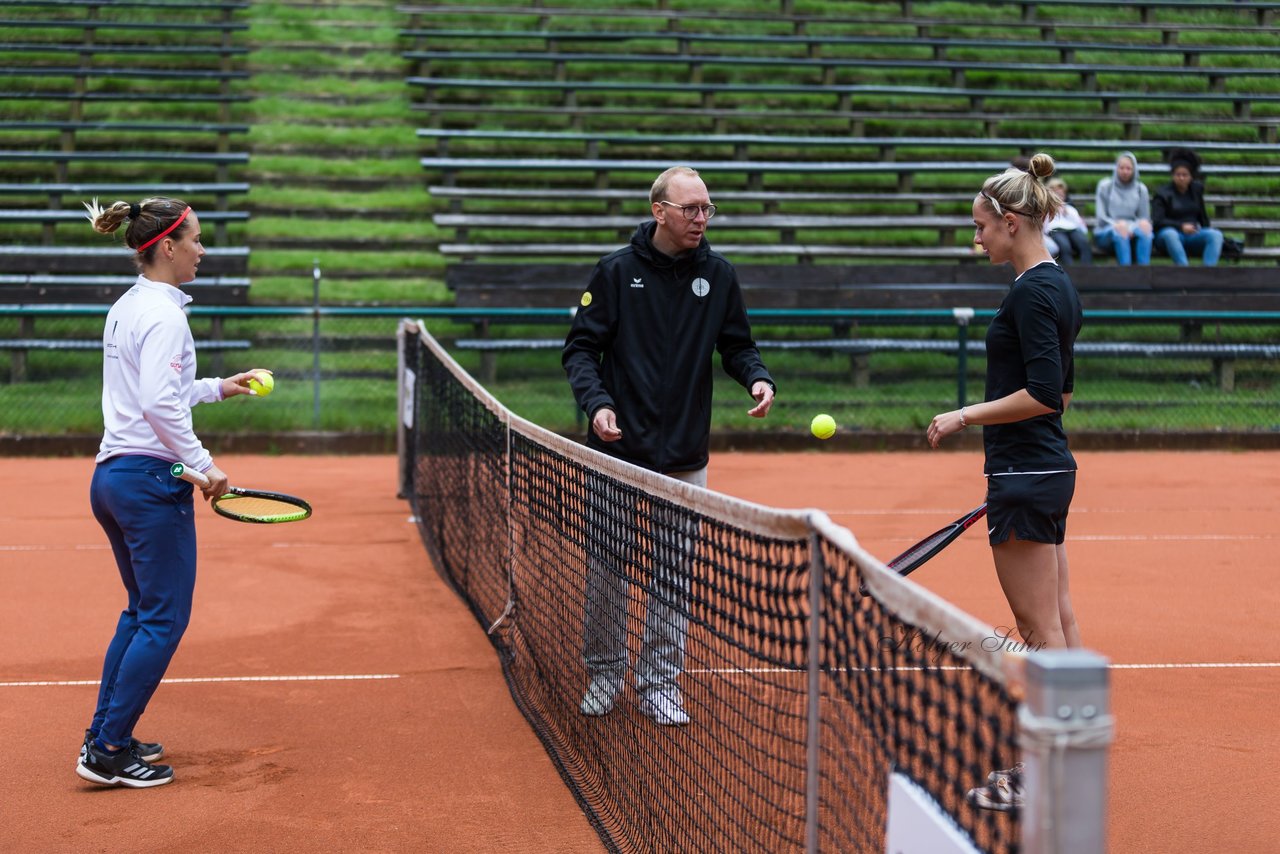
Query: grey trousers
point(658, 539)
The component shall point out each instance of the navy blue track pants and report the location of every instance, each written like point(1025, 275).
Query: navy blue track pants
point(149, 518)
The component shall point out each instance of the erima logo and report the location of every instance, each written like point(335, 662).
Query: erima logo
point(637, 283)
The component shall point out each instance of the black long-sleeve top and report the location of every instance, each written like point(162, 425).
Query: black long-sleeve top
point(642, 343)
point(1030, 344)
point(1170, 209)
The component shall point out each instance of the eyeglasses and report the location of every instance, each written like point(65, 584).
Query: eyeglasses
point(691, 211)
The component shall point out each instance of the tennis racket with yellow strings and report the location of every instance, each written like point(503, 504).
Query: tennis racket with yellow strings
point(248, 505)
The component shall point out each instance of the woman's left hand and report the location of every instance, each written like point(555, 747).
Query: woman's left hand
point(944, 424)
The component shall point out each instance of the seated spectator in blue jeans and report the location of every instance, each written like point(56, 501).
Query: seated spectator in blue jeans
point(1179, 215)
point(1123, 208)
point(1067, 230)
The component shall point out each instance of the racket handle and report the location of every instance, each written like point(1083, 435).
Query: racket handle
point(181, 472)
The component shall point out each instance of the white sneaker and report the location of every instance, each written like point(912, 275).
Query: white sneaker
point(665, 706)
point(600, 695)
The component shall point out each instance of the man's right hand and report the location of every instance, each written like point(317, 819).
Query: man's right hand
point(605, 423)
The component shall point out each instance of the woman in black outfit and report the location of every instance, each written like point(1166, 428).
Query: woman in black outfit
point(1178, 213)
point(1030, 375)
point(1030, 471)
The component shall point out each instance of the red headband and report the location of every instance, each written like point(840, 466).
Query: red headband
point(144, 247)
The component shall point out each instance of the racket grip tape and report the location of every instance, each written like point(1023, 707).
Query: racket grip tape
point(190, 475)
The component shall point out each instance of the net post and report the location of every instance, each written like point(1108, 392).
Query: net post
point(1065, 729)
point(404, 486)
point(814, 738)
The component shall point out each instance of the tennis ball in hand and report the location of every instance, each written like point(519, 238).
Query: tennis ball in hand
point(823, 426)
point(264, 383)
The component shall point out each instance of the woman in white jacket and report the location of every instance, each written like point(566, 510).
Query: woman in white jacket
point(1067, 230)
point(148, 388)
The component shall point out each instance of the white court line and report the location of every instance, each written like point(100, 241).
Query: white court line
point(203, 679)
point(1190, 665)
point(105, 547)
point(1132, 538)
point(957, 510)
point(44, 548)
point(1105, 538)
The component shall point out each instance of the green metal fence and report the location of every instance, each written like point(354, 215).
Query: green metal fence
point(1161, 372)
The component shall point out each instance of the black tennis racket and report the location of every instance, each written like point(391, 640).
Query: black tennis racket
point(916, 556)
point(248, 505)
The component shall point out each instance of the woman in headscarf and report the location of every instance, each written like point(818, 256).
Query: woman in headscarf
point(1181, 221)
point(1123, 207)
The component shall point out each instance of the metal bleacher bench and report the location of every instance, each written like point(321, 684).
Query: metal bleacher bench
point(947, 228)
point(50, 219)
point(85, 49)
point(675, 18)
point(92, 24)
point(603, 168)
point(101, 260)
point(838, 295)
point(221, 161)
point(45, 288)
point(896, 286)
point(1086, 73)
point(613, 200)
point(1107, 101)
point(883, 147)
point(1222, 356)
point(226, 7)
point(19, 348)
point(815, 44)
point(68, 129)
point(54, 192)
point(86, 71)
point(1015, 106)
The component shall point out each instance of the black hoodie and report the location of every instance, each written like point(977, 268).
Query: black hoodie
point(641, 344)
point(1170, 209)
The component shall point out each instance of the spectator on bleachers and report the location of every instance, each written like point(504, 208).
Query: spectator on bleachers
point(1068, 229)
point(1123, 209)
point(1178, 212)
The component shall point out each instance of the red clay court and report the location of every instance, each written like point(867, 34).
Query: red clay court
point(332, 690)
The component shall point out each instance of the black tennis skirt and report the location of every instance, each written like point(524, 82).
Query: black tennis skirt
point(1034, 506)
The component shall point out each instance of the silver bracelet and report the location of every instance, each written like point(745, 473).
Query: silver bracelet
point(963, 423)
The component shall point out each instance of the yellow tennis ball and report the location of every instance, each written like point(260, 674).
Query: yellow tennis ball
point(823, 426)
point(264, 383)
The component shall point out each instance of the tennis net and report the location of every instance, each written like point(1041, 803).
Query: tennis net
point(811, 674)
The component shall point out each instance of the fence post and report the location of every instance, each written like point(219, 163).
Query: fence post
point(962, 316)
point(315, 345)
point(1065, 729)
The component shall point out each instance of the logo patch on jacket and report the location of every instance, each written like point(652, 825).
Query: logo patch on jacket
point(176, 364)
point(586, 299)
point(701, 287)
point(637, 283)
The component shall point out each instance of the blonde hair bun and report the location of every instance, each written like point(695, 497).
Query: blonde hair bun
point(1042, 165)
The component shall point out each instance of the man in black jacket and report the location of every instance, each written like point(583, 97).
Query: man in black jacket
point(638, 357)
